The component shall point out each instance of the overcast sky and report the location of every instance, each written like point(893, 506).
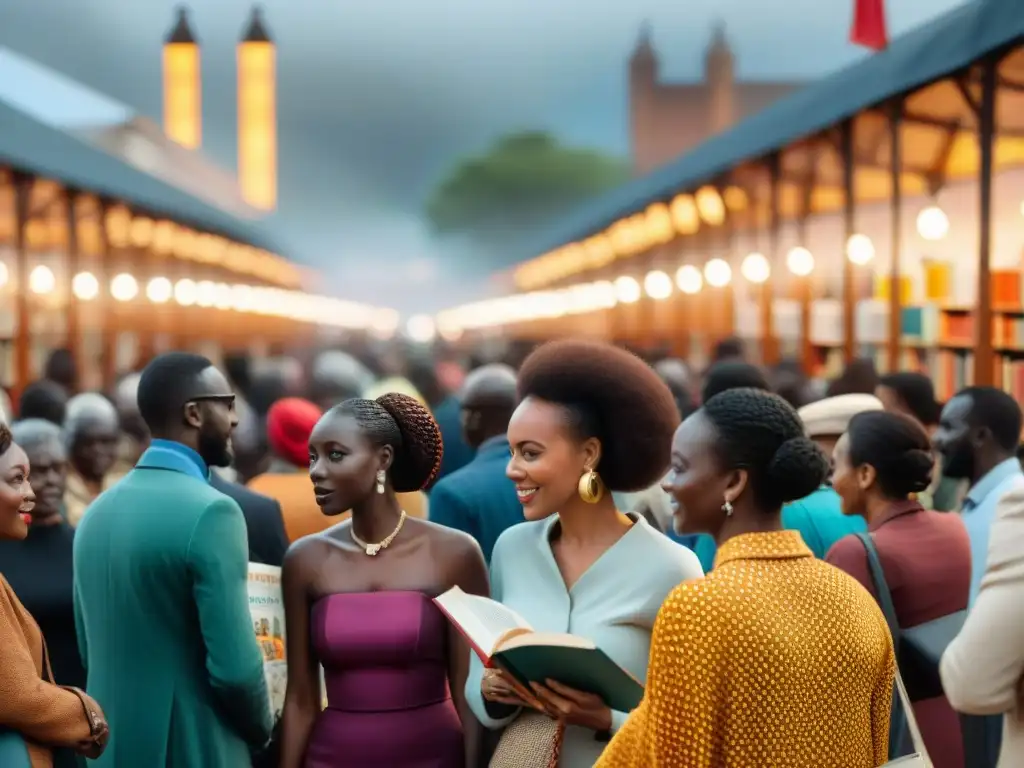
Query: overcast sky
point(378, 98)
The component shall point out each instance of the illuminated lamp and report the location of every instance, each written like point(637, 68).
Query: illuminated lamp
point(124, 287)
point(41, 280)
point(85, 286)
point(932, 223)
point(658, 285)
point(755, 268)
point(689, 279)
point(717, 273)
point(859, 249)
point(627, 290)
point(800, 261)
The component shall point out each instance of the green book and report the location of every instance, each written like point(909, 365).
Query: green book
point(503, 639)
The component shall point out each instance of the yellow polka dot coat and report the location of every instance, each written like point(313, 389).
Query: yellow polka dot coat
point(773, 660)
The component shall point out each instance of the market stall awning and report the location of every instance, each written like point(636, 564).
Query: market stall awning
point(938, 133)
point(31, 146)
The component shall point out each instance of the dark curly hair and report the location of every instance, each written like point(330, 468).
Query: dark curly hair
point(401, 422)
point(6, 439)
point(917, 393)
point(760, 432)
point(612, 395)
point(897, 447)
point(732, 374)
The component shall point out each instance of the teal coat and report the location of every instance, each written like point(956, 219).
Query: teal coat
point(161, 605)
point(820, 520)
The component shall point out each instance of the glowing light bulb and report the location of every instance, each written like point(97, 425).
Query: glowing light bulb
point(85, 286)
point(41, 280)
point(658, 285)
point(124, 287)
point(159, 290)
point(718, 273)
point(755, 268)
point(800, 261)
point(627, 290)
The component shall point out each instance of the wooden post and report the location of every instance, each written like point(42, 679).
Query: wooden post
point(896, 161)
point(22, 310)
point(771, 342)
point(110, 325)
point(984, 372)
point(74, 310)
point(849, 222)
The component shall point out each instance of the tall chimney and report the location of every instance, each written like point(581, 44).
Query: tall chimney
point(257, 115)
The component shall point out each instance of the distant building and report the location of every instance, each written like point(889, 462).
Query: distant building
point(667, 119)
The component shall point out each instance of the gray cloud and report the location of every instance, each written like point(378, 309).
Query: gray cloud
point(378, 97)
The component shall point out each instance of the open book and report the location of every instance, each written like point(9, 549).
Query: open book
point(503, 639)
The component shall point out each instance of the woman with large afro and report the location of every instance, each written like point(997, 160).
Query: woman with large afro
point(592, 419)
point(775, 658)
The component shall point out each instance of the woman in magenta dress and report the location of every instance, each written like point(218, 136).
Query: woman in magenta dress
point(358, 601)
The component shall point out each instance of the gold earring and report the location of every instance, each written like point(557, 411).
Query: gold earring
point(590, 487)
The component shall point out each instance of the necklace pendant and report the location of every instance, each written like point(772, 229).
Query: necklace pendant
point(372, 549)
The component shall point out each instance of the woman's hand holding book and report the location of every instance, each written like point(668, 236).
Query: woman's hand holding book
point(561, 702)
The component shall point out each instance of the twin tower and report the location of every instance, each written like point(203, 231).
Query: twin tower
point(257, 103)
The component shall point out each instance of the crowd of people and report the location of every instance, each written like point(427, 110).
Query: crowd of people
point(802, 574)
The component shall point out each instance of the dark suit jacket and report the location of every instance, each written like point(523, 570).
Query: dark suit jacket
point(263, 521)
point(448, 415)
point(478, 499)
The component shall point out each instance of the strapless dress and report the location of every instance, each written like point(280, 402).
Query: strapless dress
point(385, 659)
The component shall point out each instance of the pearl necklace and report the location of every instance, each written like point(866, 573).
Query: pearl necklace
point(373, 549)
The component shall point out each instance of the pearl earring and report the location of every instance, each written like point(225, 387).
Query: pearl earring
point(727, 508)
point(380, 480)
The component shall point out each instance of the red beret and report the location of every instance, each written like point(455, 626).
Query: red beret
point(290, 421)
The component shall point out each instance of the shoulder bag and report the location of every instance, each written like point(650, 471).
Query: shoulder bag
point(917, 648)
point(919, 758)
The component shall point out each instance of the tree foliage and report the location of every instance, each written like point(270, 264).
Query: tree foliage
point(524, 182)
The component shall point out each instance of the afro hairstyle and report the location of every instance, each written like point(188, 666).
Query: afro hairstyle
point(612, 395)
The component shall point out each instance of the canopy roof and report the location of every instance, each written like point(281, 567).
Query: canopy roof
point(31, 146)
point(933, 63)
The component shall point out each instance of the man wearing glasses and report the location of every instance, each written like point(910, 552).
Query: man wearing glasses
point(161, 601)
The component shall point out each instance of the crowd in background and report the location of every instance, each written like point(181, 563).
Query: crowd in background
point(772, 487)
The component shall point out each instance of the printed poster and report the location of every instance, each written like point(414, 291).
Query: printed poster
point(266, 607)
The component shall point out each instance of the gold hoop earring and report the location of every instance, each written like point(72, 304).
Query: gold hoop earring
point(590, 487)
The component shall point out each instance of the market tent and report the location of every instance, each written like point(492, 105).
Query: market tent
point(938, 131)
point(31, 146)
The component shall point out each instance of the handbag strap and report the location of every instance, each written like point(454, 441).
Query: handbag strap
point(908, 711)
point(47, 669)
point(881, 586)
point(889, 610)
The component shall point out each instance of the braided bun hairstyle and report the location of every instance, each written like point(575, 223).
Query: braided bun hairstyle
point(897, 447)
point(403, 423)
point(760, 432)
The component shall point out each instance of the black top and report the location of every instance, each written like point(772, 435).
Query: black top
point(39, 571)
point(263, 521)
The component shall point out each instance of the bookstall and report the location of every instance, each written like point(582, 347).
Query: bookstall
point(876, 212)
point(116, 265)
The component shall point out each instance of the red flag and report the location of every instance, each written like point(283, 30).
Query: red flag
point(869, 24)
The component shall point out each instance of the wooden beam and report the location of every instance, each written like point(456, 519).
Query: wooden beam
point(896, 234)
point(768, 336)
point(22, 310)
point(74, 313)
point(849, 227)
point(110, 322)
point(983, 353)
